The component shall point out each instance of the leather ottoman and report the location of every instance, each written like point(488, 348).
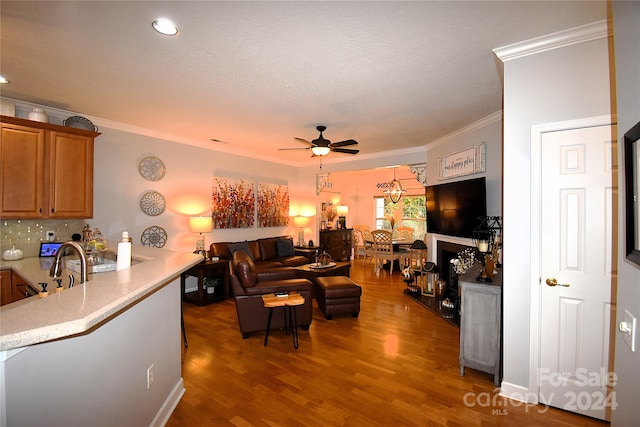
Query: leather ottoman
point(338, 295)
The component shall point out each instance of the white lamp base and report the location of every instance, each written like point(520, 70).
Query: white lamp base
point(200, 243)
point(300, 236)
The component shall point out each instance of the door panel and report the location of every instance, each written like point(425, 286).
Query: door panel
point(577, 211)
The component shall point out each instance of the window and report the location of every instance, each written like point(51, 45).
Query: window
point(411, 211)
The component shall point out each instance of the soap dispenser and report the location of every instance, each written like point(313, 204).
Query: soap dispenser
point(124, 252)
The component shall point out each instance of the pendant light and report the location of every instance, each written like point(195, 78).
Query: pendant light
point(394, 190)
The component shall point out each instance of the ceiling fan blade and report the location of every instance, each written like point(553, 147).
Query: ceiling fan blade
point(304, 141)
point(291, 149)
point(345, 150)
point(344, 143)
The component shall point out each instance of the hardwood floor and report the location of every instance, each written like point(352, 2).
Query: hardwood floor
point(395, 365)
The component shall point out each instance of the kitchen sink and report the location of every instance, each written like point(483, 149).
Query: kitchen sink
point(103, 262)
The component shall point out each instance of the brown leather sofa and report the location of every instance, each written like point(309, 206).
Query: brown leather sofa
point(249, 284)
point(266, 253)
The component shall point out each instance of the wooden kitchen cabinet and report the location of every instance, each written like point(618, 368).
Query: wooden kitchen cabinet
point(337, 243)
point(46, 170)
point(5, 287)
point(13, 288)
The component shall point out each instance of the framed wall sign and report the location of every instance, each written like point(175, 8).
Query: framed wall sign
point(464, 162)
point(632, 192)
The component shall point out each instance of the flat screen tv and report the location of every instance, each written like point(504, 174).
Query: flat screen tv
point(453, 208)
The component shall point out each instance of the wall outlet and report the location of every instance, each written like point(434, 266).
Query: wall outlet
point(51, 235)
point(628, 328)
point(150, 375)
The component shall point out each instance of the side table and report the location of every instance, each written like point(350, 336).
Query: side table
point(289, 303)
point(308, 251)
point(210, 274)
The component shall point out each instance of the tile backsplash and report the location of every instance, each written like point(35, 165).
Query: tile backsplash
point(27, 234)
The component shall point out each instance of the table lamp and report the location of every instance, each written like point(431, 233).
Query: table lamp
point(300, 222)
point(200, 224)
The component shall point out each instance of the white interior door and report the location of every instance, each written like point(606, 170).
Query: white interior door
point(578, 193)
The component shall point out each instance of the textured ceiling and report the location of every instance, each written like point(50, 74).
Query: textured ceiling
point(392, 75)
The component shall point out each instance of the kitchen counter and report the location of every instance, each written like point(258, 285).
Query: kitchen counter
point(79, 310)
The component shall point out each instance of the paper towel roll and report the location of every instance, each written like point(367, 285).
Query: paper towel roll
point(124, 256)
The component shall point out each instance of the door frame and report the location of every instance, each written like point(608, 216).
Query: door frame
point(535, 284)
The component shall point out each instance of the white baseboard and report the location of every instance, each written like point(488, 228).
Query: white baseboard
point(519, 393)
point(169, 405)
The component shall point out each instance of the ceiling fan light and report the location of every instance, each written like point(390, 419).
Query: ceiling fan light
point(320, 151)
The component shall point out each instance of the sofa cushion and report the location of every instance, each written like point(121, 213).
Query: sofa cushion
point(244, 268)
point(285, 247)
point(294, 261)
point(267, 265)
point(254, 247)
point(286, 285)
point(240, 246)
point(268, 248)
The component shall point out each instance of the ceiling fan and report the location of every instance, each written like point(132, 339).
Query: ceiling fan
point(322, 146)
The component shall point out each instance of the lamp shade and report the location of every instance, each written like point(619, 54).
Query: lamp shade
point(342, 210)
point(200, 224)
point(300, 221)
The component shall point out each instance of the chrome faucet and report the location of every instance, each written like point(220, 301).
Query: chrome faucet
point(56, 269)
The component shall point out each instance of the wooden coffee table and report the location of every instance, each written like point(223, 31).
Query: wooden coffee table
point(341, 268)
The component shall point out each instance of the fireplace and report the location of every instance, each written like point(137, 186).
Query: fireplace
point(447, 251)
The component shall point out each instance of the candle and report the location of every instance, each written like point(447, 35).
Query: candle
point(483, 246)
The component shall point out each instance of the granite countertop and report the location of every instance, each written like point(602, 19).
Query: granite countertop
point(79, 309)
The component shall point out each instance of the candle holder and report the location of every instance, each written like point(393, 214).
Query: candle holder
point(484, 238)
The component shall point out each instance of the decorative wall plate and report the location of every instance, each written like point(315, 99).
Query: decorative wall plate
point(152, 203)
point(152, 168)
point(154, 236)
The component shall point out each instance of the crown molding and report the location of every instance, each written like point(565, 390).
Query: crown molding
point(560, 39)
point(490, 119)
point(57, 115)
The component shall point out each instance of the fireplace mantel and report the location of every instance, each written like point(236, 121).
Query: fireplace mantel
point(433, 239)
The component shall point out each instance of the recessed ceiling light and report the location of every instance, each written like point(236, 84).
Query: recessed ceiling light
point(165, 26)
point(3, 80)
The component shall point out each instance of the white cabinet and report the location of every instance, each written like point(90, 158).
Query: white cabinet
point(481, 323)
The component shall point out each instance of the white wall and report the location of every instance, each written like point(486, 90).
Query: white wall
point(556, 85)
point(99, 379)
point(487, 130)
point(186, 188)
point(626, 16)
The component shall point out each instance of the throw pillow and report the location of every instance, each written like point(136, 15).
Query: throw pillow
point(240, 246)
point(285, 247)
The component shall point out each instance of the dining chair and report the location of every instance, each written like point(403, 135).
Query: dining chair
point(358, 243)
point(383, 249)
point(367, 241)
point(404, 233)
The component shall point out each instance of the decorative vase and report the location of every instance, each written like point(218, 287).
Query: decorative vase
point(12, 254)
